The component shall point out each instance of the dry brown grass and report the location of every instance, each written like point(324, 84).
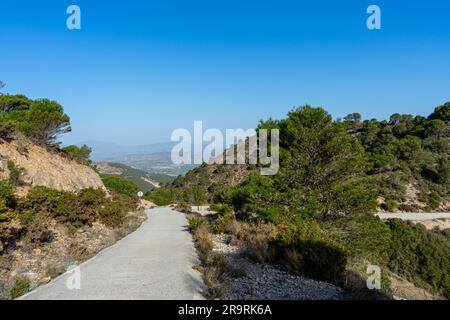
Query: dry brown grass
point(203, 242)
point(259, 244)
point(292, 259)
point(237, 231)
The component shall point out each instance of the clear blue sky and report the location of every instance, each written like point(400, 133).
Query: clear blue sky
point(139, 69)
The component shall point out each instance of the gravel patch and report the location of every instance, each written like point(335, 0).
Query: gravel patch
point(255, 281)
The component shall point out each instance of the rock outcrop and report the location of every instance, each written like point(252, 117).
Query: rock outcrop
point(44, 168)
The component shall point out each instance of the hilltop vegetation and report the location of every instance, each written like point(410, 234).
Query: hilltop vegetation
point(320, 207)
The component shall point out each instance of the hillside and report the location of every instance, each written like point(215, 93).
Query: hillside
point(407, 158)
point(144, 180)
point(55, 211)
point(316, 216)
point(44, 168)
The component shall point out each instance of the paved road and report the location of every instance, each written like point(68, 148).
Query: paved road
point(154, 262)
point(415, 216)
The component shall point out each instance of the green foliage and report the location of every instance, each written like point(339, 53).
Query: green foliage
point(251, 195)
point(139, 177)
point(442, 113)
point(420, 255)
point(192, 195)
point(367, 237)
point(391, 205)
point(221, 208)
point(44, 121)
point(20, 286)
point(76, 210)
point(161, 196)
point(6, 131)
point(331, 173)
point(7, 199)
point(195, 223)
point(309, 252)
point(220, 224)
point(10, 103)
point(121, 185)
point(79, 154)
point(15, 173)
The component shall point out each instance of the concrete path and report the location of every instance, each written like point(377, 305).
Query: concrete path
point(423, 216)
point(154, 262)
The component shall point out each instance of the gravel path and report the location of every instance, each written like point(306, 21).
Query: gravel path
point(154, 262)
point(415, 216)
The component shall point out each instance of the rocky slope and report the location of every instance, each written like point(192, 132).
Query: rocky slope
point(43, 168)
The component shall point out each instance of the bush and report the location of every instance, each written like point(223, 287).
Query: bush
point(221, 208)
point(79, 154)
point(203, 242)
point(161, 196)
point(391, 205)
point(220, 225)
point(195, 223)
point(65, 207)
point(15, 173)
point(121, 185)
point(7, 199)
point(6, 131)
point(420, 255)
point(367, 237)
point(260, 247)
point(76, 210)
point(20, 287)
point(308, 251)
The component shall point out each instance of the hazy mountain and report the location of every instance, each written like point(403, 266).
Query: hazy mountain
point(102, 151)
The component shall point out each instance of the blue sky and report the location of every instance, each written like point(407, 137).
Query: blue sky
point(139, 69)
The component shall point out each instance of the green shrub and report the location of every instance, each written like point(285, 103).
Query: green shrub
point(112, 214)
point(7, 199)
point(91, 197)
point(192, 195)
point(42, 199)
point(308, 251)
point(66, 207)
point(161, 196)
point(121, 185)
point(79, 154)
point(220, 224)
point(15, 173)
point(196, 222)
point(20, 287)
point(221, 208)
point(420, 255)
point(391, 205)
point(368, 237)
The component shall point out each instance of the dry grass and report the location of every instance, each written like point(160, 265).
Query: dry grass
point(237, 231)
point(236, 269)
point(292, 259)
point(259, 243)
point(214, 269)
point(203, 243)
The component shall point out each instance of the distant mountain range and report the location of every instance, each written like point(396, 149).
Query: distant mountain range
point(106, 151)
point(152, 158)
